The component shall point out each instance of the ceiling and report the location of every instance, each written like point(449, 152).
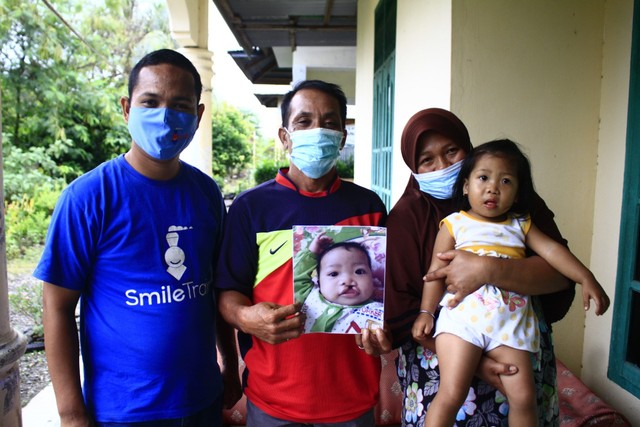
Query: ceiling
point(260, 25)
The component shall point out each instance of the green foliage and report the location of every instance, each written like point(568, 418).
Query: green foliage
point(233, 134)
point(26, 299)
point(60, 91)
point(266, 170)
point(60, 105)
point(345, 168)
point(28, 171)
point(27, 220)
point(269, 168)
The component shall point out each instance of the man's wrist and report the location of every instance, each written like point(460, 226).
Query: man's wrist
point(241, 318)
point(75, 417)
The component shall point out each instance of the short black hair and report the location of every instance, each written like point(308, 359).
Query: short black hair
point(329, 88)
point(166, 56)
point(501, 148)
point(346, 245)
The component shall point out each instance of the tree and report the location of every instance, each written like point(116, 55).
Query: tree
point(61, 77)
point(62, 87)
point(234, 134)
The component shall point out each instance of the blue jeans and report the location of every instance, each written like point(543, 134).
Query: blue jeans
point(257, 418)
point(208, 417)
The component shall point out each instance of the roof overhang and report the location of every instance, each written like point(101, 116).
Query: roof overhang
point(269, 31)
point(292, 23)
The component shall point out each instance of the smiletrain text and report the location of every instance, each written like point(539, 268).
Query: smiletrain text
point(167, 294)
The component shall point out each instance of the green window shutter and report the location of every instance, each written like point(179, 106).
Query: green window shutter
point(383, 96)
point(624, 357)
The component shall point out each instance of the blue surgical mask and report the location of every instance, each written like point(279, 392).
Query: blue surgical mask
point(162, 133)
point(439, 184)
point(315, 151)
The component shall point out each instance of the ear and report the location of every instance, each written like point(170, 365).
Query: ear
point(200, 111)
point(344, 139)
point(126, 106)
point(465, 187)
point(283, 135)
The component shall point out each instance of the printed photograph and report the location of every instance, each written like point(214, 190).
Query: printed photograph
point(338, 276)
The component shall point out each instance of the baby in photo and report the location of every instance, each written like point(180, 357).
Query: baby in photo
point(342, 298)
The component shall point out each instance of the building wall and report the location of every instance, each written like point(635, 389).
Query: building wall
point(423, 75)
point(364, 92)
point(530, 71)
point(551, 75)
point(608, 200)
point(423, 69)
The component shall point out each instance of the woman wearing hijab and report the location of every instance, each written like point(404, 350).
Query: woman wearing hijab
point(434, 142)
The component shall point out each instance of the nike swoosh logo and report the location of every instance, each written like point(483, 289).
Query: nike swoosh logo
point(273, 251)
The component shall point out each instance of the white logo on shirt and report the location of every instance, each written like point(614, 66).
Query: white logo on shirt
point(168, 294)
point(174, 256)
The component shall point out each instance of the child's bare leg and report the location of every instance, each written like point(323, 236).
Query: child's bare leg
point(458, 360)
point(520, 387)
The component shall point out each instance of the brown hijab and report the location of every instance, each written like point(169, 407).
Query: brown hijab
point(413, 224)
point(434, 120)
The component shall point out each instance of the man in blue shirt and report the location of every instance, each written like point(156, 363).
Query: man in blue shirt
point(135, 240)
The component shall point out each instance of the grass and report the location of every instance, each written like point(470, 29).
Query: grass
point(25, 264)
point(25, 295)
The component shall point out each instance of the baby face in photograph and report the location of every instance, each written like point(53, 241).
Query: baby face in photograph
point(344, 275)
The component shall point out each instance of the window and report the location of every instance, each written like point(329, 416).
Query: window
point(383, 96)
point(624, 359)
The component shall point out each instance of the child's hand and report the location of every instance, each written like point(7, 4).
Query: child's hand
point(422, 327)
point(320, 243)
point(591, 290)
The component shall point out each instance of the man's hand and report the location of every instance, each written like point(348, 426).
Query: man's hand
point(271, 322)
point(489, 371)
point(375, 342)
point(463, 275)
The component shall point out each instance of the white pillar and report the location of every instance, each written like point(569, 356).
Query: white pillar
point(12, 343)
point(199, 152)
point(189, 20)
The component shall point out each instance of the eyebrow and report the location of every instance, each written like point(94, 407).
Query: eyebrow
point(336, 264)
point(331, 115)
point(149, 94)
point(485, 170)
point(174, 99)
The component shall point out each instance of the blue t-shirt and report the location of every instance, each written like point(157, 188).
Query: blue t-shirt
point(141, 252)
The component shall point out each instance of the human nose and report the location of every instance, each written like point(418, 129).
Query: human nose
point(492, 187)
point(348, 280)
point(442, 163)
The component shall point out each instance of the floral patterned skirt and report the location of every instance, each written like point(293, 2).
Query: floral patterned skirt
point(419, 377)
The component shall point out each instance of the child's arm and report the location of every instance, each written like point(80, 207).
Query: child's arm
point(432, 291)
point(319, 243)
point(560, 258)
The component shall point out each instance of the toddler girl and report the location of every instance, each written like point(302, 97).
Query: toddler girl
point(495, 186)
